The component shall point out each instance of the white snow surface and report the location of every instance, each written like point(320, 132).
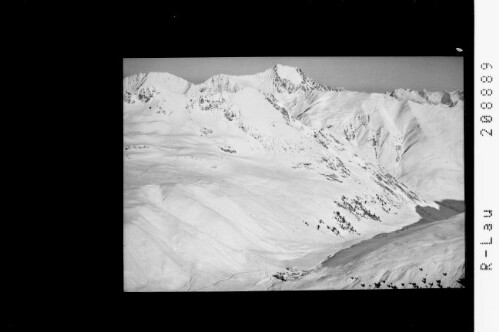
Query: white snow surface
point(231, 181)
point(424, 256)
point(289, 73)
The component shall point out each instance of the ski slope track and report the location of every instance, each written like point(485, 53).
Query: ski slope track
point(274, 181)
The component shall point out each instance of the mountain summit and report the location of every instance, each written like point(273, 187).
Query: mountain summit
point(278, 79)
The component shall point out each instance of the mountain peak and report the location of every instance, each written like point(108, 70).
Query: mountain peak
point(292, 79)
point(291, 74)
point(155, 80)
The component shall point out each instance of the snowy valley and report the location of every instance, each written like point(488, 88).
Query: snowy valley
point(274, 181)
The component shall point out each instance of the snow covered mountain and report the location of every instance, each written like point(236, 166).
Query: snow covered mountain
point(143, 87)
point(234, 183)
point(420, 144)
point(279, 79)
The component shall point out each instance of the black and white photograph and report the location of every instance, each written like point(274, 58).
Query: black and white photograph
point(254, 164)
point(282, 173)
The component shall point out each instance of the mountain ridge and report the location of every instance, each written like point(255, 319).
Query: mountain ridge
point(283, 78)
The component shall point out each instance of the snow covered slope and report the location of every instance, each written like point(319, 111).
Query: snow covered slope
point(420, 144)
point(232, 180)
point(429, 255)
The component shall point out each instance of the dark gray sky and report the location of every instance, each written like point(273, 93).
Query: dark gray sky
point(371, 74)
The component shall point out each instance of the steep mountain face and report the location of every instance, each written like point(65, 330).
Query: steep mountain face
point(231, 181)
point(420, 144)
